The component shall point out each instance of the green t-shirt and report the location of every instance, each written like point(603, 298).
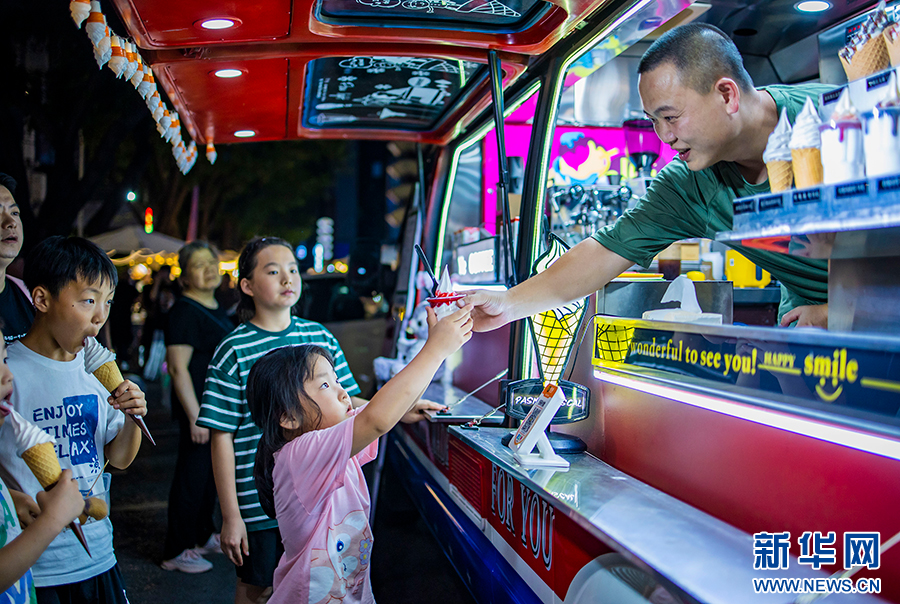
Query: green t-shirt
point(225, 406)
point(681, 204)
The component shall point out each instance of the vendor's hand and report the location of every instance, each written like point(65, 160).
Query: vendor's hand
point(199, 434)
point(63, 503)
point(233, 540)
point(27, 508)
point(129, 399)
point(449, 334)
point(417, 413)
point(815, 315)
point(491, 309)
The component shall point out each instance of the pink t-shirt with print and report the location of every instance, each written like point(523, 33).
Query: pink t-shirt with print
point(322, 507)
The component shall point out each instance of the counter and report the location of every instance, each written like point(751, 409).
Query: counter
point(707, 558)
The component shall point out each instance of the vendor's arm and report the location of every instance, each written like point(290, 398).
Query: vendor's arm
point(581, 271)
point(814, 315)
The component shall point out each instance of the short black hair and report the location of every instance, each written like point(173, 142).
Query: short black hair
point(9, 182)
point(701, 53)
point(57, 261)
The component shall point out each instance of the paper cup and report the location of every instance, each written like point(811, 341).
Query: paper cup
point(445, 305)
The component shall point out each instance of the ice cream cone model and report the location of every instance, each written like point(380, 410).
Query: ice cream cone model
point(881, 136)
point(555, 329)
point(778, 156)
point(211, 154)
point(867, 52)
point(96, 23)
point(80, 10)
point(805, 148)
point(102, 363)
point(445, 301)
point(891, 36)
point(38, 450)
point(138, 76)
point(842, 143)
point(148, 84)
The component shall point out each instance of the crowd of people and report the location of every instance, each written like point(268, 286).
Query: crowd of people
point(269, 420)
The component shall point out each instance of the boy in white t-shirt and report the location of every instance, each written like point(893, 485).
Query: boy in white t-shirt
point(72, 283)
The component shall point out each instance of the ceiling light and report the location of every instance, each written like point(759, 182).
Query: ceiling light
point(245, 133)
point(218, 23)
point(812, 6)
point(228, 73)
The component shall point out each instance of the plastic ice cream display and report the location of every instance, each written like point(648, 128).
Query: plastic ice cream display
point(102, 363)
point(867, 52)
point(842, 143)
point(445, 301)
point(880, 135)
point(555, 329)
point(778, 156)
point(805, 147)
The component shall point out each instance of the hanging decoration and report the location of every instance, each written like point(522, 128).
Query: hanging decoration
point(211, 154)
point(124, 60)
point(80, 10)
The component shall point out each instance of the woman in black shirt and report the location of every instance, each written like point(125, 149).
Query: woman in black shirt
point(196, 325)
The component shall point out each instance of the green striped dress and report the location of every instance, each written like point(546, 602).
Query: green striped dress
point(224, 406)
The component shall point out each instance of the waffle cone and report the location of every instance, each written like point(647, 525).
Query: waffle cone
point(871, 58)
point(109, 375)
point(44, 463)
point(893, 49)
point(781, 175)
point(94, 508)
point(807, 165)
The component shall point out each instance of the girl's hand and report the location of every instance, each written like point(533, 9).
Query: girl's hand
point(449, 334)
point(233, 540)
point(417, 413)
point(129, 398)
point(63, 503)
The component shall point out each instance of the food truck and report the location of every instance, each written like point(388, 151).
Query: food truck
point(590, 454)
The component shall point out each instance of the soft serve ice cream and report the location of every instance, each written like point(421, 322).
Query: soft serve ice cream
point(778, 156)
point(805, 147)
point(880, 135)
point(444, 301)
point(842, 144)
point(26, 434)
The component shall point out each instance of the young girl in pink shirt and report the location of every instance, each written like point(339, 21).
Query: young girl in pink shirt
point(308, 464)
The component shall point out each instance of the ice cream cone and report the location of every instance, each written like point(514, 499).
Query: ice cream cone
point(781, 175)
point(43, 463)
point(807, 164)
point(95, 508)
point(871, 58)
point(892, 42)
point(109, 375)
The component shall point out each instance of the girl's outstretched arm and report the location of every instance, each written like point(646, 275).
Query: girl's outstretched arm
point(397, 396)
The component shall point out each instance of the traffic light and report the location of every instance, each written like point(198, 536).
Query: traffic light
point(148, 220)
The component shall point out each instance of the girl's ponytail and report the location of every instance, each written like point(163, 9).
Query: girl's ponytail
point(274, 391)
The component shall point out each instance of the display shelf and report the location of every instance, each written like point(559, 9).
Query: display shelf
point(861, 218)
point(864, 93)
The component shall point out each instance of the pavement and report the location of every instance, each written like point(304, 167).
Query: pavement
point(407, 564)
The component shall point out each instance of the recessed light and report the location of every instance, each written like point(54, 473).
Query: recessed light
point(812, 6)
point(221, 23)
point(228, 73)
point(245, 133)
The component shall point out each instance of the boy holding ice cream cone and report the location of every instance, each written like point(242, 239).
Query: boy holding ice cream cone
point(72, 283)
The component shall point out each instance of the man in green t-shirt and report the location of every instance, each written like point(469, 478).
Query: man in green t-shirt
point(702, 102)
